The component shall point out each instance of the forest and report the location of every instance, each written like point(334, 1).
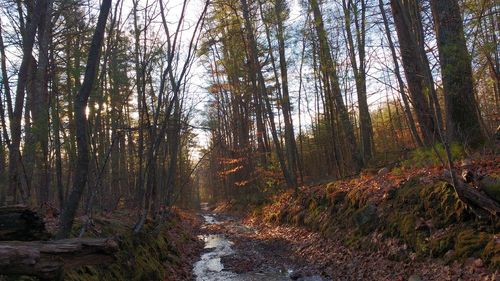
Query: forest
point(249, 140)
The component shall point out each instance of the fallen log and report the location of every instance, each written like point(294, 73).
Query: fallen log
point(475, 199)
point(48, 260)
point(20, 223)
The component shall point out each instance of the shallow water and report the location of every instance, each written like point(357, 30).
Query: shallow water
point(210, 267)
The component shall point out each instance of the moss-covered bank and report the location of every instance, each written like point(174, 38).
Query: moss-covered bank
point(426, 216)
point(164, 252)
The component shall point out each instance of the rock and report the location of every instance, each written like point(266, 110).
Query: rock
point(382, 172)
point(478, 263)
point(414, 277)
point(364, 218)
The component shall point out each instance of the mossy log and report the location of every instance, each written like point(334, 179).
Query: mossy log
point(18, 222)
point(490, 186)
point(48, 260)
point(474, 198)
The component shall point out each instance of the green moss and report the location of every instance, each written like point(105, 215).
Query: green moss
point(441, 204)
point(417, 208)
point(142, 256)
point(429, 218)
point(440, 246)
point(470, 243)
point(491, 253)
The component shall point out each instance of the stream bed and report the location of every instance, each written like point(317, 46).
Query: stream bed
point(219, 248)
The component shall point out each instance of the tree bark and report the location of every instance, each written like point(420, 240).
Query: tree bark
point(414, 64)
point(397, 72)
point(20, 223)
point(17, 113)
point(40, 106)
point(463, 119)
point(47, 260)
point(290, 144)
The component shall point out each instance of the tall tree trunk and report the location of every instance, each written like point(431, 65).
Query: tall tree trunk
point(80, 105)
point(140, 85)
point(40, 107)
point(414, 65)
point(56, 129)
point(5, 142)
point(397, 72)
point(359, 70)
point(283, 92)
point(290, 144)
point(15, 124)
point(462, 116)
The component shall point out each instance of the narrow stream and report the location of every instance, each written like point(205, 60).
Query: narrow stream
point(211, 268)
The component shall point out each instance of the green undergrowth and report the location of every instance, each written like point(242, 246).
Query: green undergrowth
point(157, 253)
point(428, 218)
point(421, 157)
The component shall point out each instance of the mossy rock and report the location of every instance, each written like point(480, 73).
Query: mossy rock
point(470, 243)
point(440, 246)
point(365, 218)
point(491, 253)
point(442, 205)
point(415, 203)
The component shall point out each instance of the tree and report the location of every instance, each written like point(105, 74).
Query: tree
point(408, 24)
point(80, 105)
point(358, 64)
point(462, 116)
point(334, 101)
point(28, 41)
point(257, 76)
point(397, 72)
